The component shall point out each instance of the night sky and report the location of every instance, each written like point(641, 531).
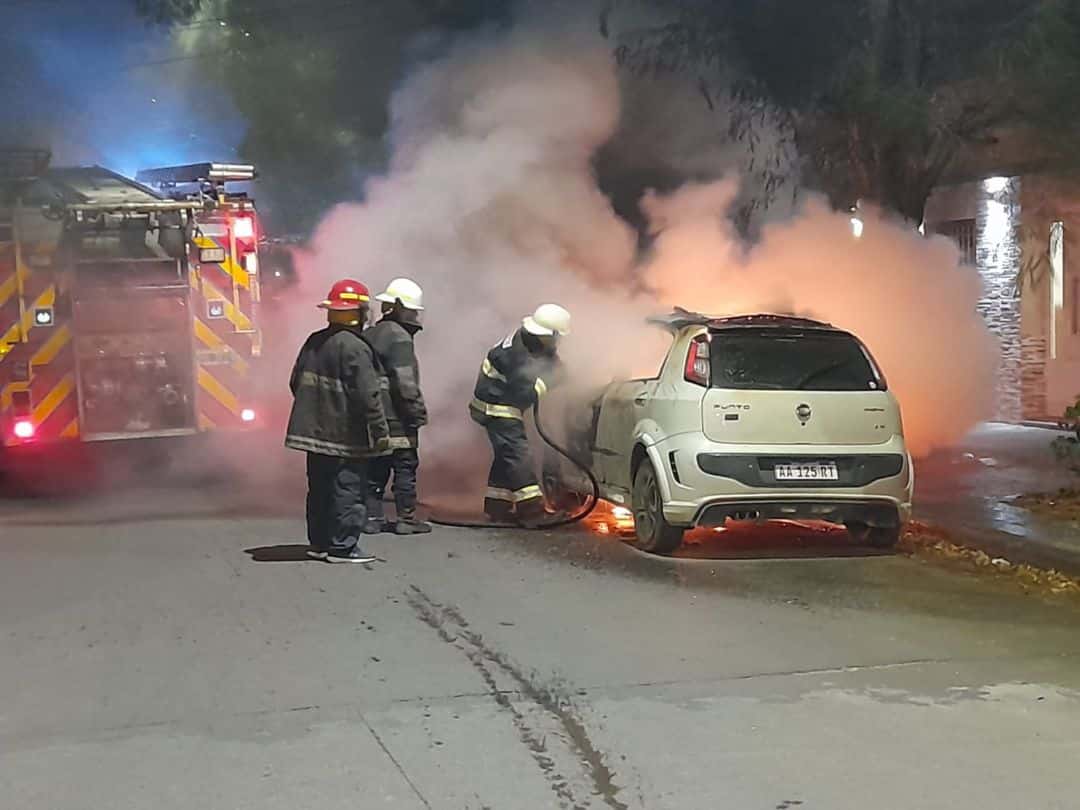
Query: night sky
point(79, 77)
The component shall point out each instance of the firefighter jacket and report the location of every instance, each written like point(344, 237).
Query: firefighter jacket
point(337, 406)
point(512, 378)
point(403, 401)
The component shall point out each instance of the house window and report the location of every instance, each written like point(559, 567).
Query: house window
point(961, 231)
point(1056, 252)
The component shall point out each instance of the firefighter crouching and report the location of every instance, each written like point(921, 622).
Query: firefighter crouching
point(513, 376)
point(392, 341)
point(337, 418)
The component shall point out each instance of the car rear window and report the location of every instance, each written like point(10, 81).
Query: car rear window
point(785, 361)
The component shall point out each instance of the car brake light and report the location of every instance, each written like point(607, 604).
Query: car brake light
point(697, 362)
point(243, 227)
point(24, 429)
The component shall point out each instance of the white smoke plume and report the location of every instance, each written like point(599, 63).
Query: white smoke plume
point(492, 205)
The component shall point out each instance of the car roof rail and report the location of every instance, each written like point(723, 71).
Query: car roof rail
point(680, 318)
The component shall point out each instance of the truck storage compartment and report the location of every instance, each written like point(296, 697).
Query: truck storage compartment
point(134, 351)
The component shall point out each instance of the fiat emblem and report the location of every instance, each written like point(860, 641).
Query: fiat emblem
point(804, 413)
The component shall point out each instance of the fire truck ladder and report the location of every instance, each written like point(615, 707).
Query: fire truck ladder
point(210, 177)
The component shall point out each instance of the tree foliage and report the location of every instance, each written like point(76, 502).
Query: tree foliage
point(881, 95)
point(312, 78)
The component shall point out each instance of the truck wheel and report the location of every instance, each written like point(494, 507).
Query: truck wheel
point(652, 532)
point(875, 536)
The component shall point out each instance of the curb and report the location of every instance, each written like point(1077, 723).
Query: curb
point(1045, 566)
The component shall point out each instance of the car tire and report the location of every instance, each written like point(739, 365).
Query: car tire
point(652, 532)
point(874, 536)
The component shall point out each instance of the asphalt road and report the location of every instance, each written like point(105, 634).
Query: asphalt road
point(173, 649)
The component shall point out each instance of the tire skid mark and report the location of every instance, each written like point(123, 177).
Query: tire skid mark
point(452, 628)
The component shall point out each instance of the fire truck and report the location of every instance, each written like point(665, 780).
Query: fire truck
point(128, 308)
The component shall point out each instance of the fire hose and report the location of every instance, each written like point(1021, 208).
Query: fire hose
point(565, 520)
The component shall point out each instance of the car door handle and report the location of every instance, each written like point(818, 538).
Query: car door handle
point(640, 401)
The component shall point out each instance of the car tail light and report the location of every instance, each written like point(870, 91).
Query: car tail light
point(247, 415)
point(24, 429)
point(697, 361)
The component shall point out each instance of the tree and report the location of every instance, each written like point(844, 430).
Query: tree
point(880, 95)
point(313, 81)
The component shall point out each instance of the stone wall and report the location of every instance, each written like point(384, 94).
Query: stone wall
point(998, 253)
point(994, 207)
point(1033, 378)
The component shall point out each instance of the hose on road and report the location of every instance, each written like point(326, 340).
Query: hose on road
point(564, 520)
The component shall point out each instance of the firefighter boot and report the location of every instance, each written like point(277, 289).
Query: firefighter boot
point(499, 510)
point(531, 513)
point(408, 524)
point(376, 517)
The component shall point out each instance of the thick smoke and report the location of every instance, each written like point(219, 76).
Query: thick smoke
point(906, 296)
point(491, 203)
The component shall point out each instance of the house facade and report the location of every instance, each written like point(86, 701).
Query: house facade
point(1021, 233)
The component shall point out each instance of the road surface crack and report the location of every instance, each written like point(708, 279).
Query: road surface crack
point(453, 629)
point(394, 760)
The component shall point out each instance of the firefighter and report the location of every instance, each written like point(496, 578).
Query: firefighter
point(338, 420)
point(513, 376)
point(392, 341)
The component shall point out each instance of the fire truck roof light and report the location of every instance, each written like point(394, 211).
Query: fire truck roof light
point(247, 415)
point(243, 227)
point(232, 171)
point(24, 429)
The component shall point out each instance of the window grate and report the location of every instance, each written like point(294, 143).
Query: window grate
point(962, 232)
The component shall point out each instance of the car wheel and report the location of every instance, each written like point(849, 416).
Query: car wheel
point(876, 536)
point(651, 530)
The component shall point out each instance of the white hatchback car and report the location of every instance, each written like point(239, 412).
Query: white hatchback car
point(754, 418)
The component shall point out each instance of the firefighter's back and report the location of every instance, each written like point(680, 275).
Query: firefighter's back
point(322, 418)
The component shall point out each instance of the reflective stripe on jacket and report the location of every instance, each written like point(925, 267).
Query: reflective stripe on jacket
point(511, 379)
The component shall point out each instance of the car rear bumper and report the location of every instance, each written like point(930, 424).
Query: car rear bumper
point(874, 487)
point(877, 513)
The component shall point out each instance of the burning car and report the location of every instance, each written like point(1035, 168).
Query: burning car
point(753, 418)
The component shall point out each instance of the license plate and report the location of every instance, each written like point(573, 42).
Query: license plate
point(807, 471)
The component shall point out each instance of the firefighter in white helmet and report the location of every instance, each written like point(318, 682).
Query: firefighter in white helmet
point(513, 376)
point(392, 341)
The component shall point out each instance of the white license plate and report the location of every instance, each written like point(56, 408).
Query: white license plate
point(211, 255)
point(807, 471)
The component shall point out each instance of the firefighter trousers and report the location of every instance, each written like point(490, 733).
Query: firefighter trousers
point(512, 483)
point(402, 463)
point(336, 501)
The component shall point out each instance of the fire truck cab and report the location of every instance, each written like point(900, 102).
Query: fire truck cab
point(128, 309)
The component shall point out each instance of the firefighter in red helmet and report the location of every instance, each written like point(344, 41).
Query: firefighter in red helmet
point(338, 420)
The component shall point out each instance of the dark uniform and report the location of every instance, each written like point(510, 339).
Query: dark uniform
point(338, 420)
point(406, 413)
point(512, 377)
